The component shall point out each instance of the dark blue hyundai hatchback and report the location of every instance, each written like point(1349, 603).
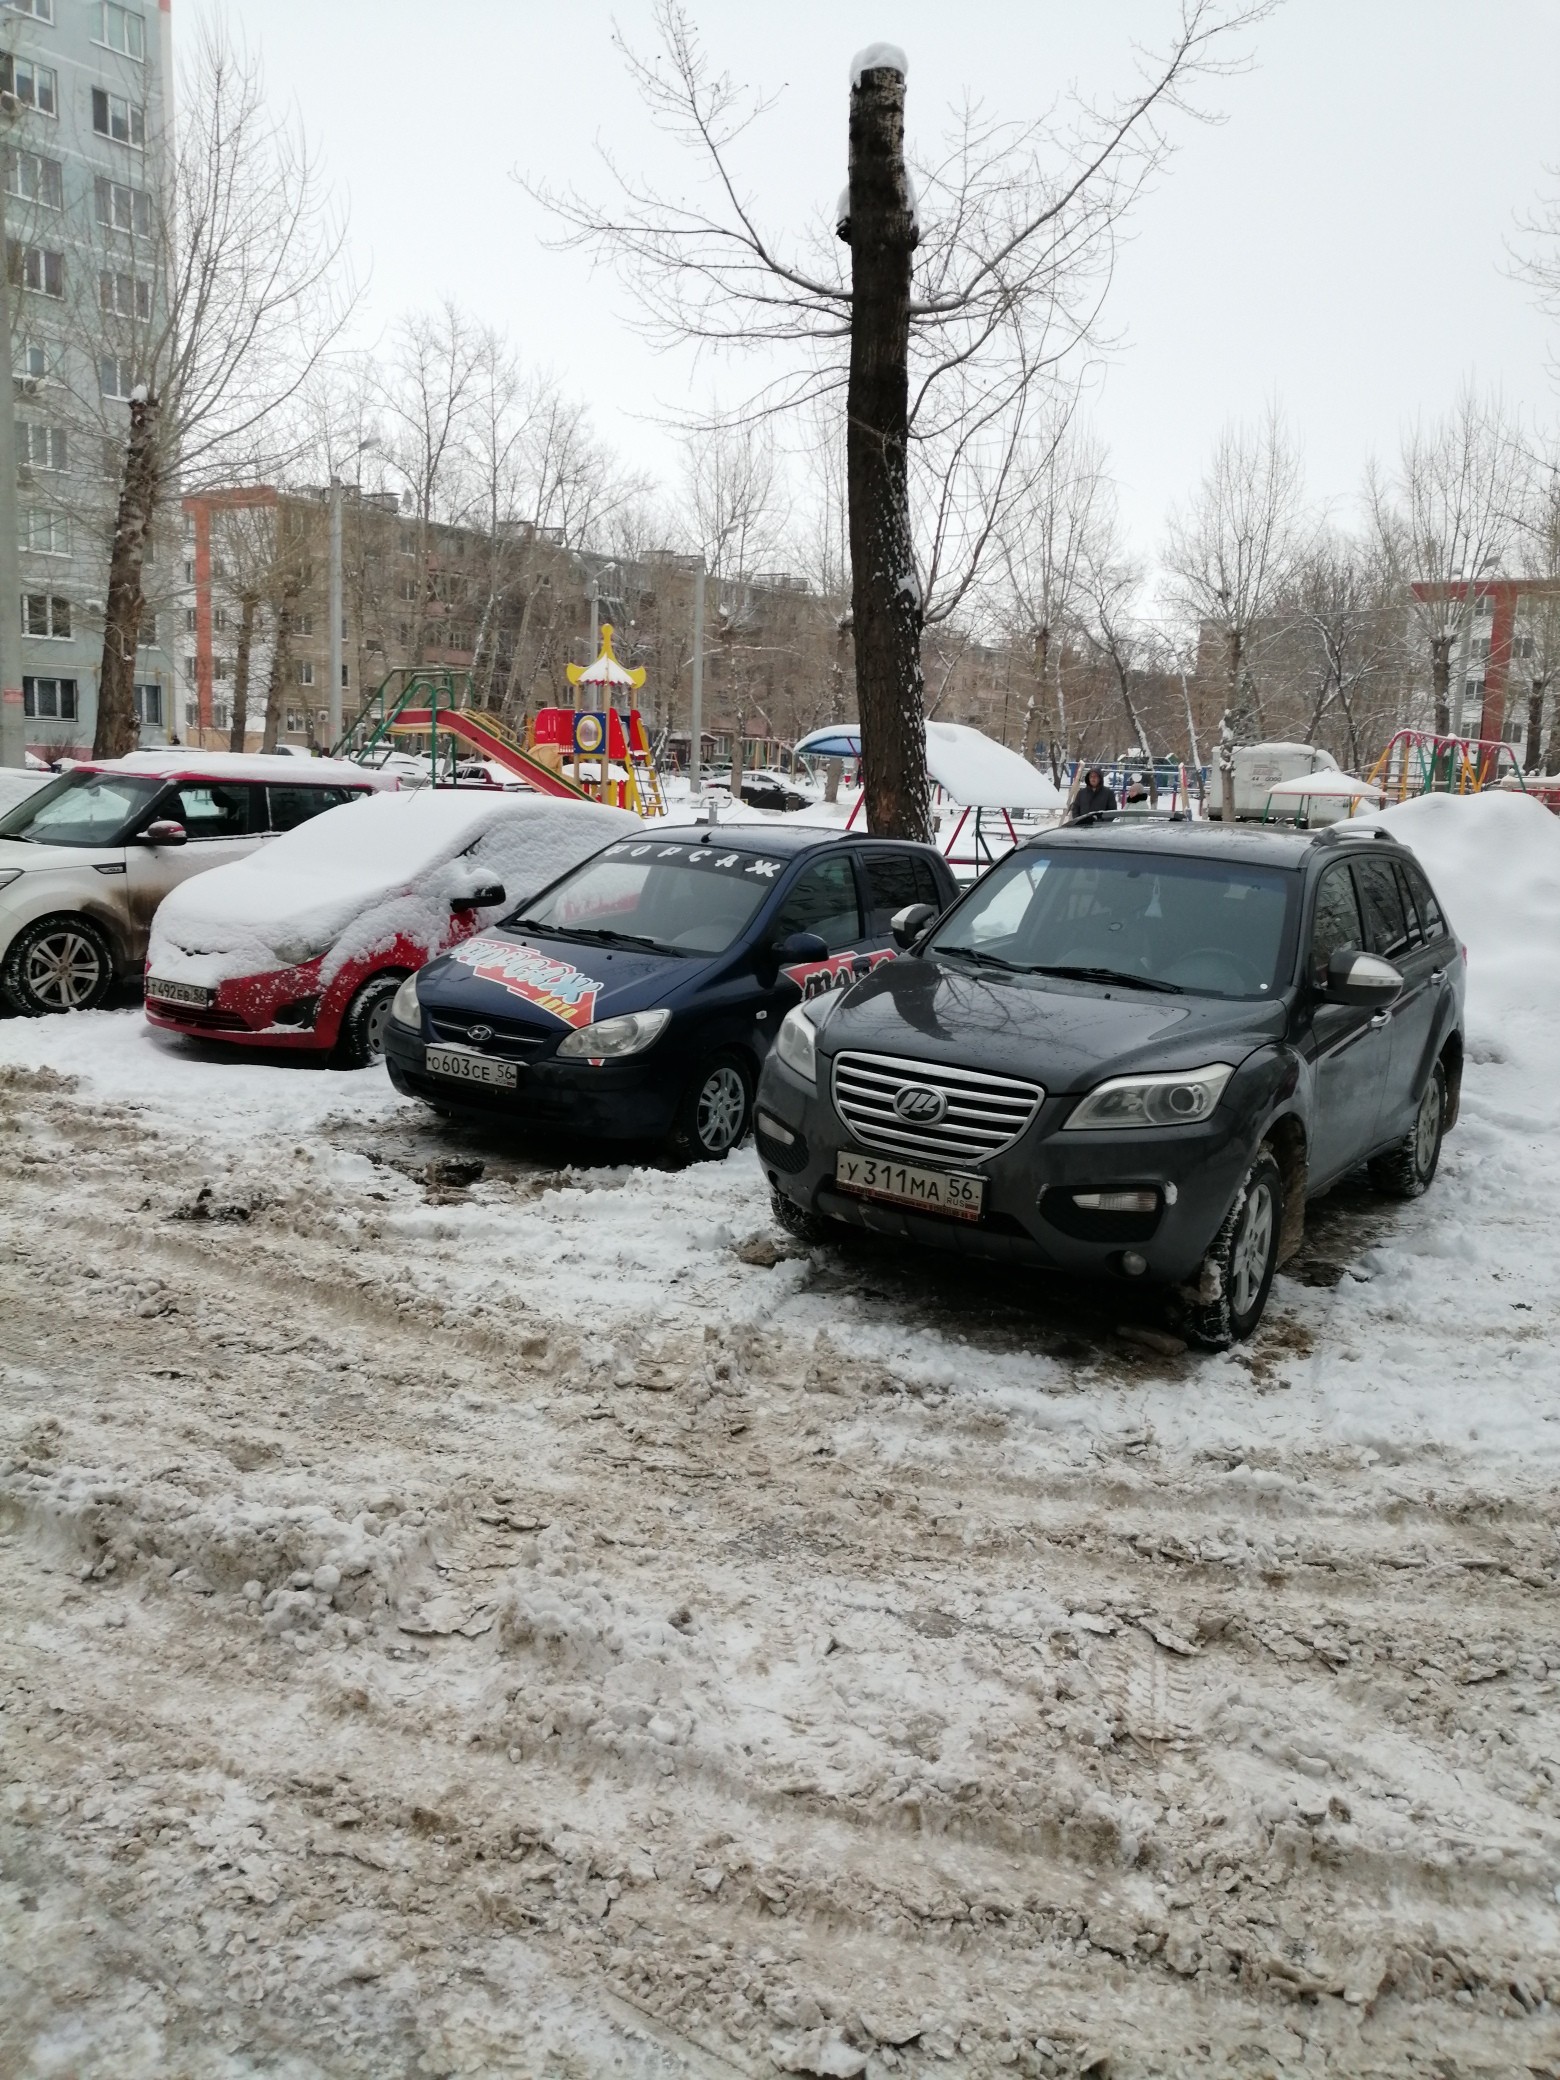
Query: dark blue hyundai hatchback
point(635, 998)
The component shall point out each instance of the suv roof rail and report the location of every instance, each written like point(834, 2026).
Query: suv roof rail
point(1337, 832)
point(1128, 816)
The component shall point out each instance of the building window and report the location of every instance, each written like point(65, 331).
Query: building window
point(39, 446)
point(116, 378)
point(304, 624)
point(40, 10)
point(31, 362)
point(221, 715)
point(219, 668)
point(119, 208)
point(305, 672)
point(1479, 649)
point(124, 296)
point(44, 533)
point(1484, 605)
point(113, 116)
point(35, 268)
point(123, 30)
point(219, 620)
point(294, 721)
point(149, 704)
point(32, 178)
point(44, 615)
point(189, 666)
point(50, 700)
point(1522, 646)
point(346, 679)
point(189, 570)
point(146, 635)
point(1473, 689)
point(35, 86)
point(190, 621)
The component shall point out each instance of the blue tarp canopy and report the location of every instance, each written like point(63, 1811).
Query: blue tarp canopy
point(838, 740)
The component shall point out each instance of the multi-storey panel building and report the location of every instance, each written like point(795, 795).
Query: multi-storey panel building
point(85, 106)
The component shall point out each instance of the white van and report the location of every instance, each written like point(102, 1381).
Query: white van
point(86, 858)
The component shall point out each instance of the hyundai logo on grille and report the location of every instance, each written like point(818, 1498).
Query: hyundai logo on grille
point(916, 1102)
point(480, 1034)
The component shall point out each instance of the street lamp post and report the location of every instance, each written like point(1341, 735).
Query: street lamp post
point(13, 722)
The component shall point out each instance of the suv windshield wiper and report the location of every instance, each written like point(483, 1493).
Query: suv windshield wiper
point(984, 959)
point(1172, 989)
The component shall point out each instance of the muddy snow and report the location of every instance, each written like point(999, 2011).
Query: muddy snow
point(467, 1611)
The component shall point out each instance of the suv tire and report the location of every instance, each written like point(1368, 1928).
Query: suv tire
point(57, 964)
point(716, 1110)
point(797, 1222)
point(1239, 1268)
point(1406, 1170)
point(361, 1041)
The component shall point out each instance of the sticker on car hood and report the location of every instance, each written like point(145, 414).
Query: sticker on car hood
point(839, 971)
point(551, 985)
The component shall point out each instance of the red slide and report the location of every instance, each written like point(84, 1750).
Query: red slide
point(489, 743)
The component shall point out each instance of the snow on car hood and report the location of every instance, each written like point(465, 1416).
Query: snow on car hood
point(360, 876)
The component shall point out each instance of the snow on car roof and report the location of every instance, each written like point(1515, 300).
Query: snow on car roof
point(361, 875)
point(178, 763)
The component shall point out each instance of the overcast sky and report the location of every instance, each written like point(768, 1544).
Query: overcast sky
point(1337, 242)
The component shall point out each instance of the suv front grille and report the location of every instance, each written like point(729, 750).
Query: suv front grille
point(982, 1115)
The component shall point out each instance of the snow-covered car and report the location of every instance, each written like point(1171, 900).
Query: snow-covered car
point(86, 857)
point(763, 789)
point(305, 945)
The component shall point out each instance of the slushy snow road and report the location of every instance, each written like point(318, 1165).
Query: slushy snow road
point(546, 1625)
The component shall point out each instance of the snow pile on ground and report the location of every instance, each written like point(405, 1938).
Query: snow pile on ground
point(16, 786)
point(361, 876)
point(1494, 861)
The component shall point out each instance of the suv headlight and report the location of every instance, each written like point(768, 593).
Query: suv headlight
point(404, 1007)
point(797, 1044)
point(1179, 1099)
point(615, 1037)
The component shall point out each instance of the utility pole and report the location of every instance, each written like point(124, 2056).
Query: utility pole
point(13, 723)
point(335, 611)
point(696, 726)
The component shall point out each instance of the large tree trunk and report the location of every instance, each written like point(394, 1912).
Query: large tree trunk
point(117, 731)
point(1441, 682)
point(281, 664)
point(238, 728)
point(885, 591)
point(1227, 728)
point(1535, 728)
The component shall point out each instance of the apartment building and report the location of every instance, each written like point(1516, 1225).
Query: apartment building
point(85, 99)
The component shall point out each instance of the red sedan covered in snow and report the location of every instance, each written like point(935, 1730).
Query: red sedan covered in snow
point(303, 944)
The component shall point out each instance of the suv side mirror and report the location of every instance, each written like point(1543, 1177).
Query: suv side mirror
point(164, 832)
point(1364, 979)
point(479, 898)
point(908, 924)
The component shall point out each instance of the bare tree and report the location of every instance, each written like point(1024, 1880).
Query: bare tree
point(1116, 632)
point(243, 249)
point(429, 392)
point(1228, 556)
point(1343, 613)
point(957, 312)
point(1443, 520)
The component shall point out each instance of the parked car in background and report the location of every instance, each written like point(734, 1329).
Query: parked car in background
point(635, 998)
point(1133, 1049)
point(304, 945)
point(86, 859)
point(761, 789)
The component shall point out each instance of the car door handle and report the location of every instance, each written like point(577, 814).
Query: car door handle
point(1437, 977)
point(1382, 1018)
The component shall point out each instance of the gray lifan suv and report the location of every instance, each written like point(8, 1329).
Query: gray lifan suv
point(1134, 1048)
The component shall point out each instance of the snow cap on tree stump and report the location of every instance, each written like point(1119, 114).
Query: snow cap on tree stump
point(879, 57)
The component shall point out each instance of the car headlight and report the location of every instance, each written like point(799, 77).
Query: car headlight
point(797, 1044)
point(615, 1037)
point(10, 874)
point(1179, 1099)
point(404, 1007)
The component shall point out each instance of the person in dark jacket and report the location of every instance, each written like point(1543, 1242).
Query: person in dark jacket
point(1092, 797)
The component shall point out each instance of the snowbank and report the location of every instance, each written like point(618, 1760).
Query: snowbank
point(1495, 862)
point(362, 875)
point(16, 785)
